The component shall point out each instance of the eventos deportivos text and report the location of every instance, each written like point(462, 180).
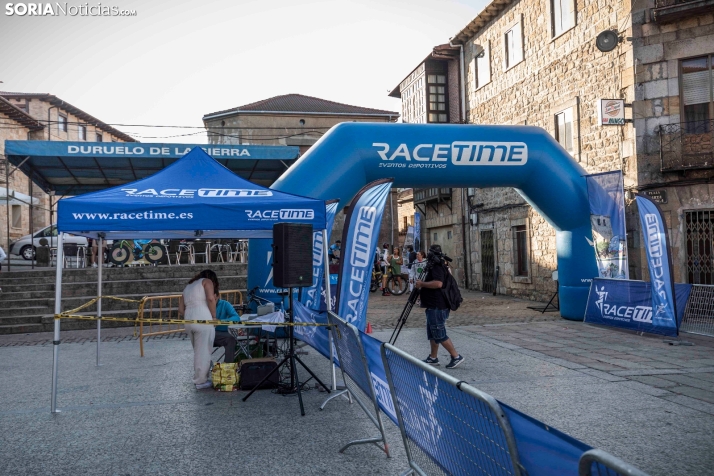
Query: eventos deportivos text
point(150, 215)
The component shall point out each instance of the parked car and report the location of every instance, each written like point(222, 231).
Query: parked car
point(26, 245)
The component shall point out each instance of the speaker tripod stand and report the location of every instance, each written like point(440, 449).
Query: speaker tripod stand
point(290, 359)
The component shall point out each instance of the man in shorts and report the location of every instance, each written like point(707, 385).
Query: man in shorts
point(437, 311)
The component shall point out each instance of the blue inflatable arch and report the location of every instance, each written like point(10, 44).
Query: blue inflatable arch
point(430, 155)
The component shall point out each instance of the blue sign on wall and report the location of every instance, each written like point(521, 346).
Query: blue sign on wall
point(140, 149)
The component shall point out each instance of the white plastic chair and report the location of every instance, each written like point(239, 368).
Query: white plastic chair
point(206, 251)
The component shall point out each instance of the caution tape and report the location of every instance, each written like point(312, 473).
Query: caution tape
point(89, 303)
point(68, 315)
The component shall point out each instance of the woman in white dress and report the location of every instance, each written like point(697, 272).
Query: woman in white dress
point(198, 303)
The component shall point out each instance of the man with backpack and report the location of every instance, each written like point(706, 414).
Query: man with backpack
point(437, 306)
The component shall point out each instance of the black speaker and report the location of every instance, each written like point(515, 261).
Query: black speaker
point(292, 255)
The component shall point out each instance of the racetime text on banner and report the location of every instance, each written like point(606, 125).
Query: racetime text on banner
point(359, 240)
point(628, 304)
point(658, 262)
point(314, 298)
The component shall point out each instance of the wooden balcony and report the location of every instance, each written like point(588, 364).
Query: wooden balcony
point(432, 197)
point(672, 10)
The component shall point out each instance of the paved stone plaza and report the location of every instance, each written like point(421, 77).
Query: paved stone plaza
point(650, 403)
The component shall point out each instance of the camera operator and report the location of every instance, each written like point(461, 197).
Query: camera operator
point(437, 309)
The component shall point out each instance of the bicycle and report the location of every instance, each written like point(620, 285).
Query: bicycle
point(124, 251)
point(396, 284)
point(376, 280)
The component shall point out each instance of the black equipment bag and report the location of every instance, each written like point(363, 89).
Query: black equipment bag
point(252, 371)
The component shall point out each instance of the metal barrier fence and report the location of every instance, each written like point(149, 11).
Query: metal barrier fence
point(166, 307)
point(699, 313)
point(355, 373)
point(601, 463)
point(448, 426)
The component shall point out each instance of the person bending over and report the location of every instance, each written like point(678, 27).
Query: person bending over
point(198, 303)
point(437, 312)
point(225, 312)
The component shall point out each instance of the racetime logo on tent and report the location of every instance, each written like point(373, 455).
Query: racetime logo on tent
point(201, 192)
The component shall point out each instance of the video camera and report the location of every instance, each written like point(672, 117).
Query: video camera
point(436, 256)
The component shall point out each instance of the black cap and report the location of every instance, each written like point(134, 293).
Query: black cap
point(435, 248)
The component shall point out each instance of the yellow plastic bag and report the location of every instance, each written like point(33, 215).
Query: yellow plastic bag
point(224, 376)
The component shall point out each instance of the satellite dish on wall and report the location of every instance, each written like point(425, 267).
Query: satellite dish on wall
point(607, 41)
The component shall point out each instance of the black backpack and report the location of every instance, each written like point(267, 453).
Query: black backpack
point(451, 292)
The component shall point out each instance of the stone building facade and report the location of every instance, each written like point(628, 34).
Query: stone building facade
point(674, 120)
point(298, 120)
point(532, 62)
point(431, 93)
point(34, 116)
point(528, 66)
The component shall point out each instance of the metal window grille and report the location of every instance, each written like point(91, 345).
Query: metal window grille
point(488, 261)
point(448, 427)
point(520, 250)
point(699, 313)
point(699, 238)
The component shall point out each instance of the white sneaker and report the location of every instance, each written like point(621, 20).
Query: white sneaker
point(94, 265)
point(206, 384)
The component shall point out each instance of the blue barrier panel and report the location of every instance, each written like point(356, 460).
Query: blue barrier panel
point(543, 450)
point(448, 427)
point(354, 365)
point(628, 304)
point(373, 354)
point(315, 336)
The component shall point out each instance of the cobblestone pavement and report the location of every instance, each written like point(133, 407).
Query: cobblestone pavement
point(477, 308)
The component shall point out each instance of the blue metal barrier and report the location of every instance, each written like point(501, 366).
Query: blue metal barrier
point(353, 364)
point(601, 463)
point(448, 427)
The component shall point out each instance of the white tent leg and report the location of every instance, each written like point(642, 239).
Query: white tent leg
point(328, 301)
point(58, 308)
point(100, 259)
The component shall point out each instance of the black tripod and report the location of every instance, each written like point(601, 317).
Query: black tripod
point(406, 311)
point(290, 359)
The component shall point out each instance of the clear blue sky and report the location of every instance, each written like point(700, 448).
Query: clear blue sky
point(174, 62)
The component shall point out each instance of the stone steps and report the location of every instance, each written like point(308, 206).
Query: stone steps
point(27, 300)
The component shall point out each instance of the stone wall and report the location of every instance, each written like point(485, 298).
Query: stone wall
point(276, 129)
point(566, 72)
point(18, 182)
point(405, 209)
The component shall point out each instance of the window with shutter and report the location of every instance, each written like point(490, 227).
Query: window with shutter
point(697, 92)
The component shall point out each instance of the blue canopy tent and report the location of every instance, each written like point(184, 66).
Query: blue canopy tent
point(195, 196)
